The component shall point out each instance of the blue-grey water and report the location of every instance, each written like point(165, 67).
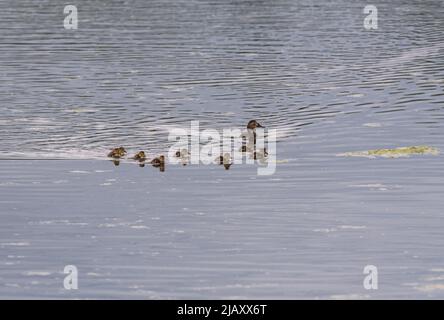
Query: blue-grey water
point(133, 70)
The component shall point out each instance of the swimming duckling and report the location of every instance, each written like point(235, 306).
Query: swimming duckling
point(117, 153)
point(158, 162)
point(261, 154)
point(183, 155)
point(245, 148)
point(140, 156)
point(225, 160)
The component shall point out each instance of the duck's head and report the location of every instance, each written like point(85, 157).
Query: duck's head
point(122, 150)
point(253, 124)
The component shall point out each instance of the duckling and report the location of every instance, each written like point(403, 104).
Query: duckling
point(245, 148)
point(225, 160)
point(261, 154)
point(158, 162)
point(140, 156)
point(117, 153)
point(183, 155)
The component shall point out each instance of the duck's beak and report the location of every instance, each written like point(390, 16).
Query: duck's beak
point(259, 125)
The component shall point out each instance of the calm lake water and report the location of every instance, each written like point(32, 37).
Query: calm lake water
point(133, 70)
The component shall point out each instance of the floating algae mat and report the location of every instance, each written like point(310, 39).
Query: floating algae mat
point(393, 153)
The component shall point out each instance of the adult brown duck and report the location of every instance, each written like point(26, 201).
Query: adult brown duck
point(253, 124)
point(251, 130)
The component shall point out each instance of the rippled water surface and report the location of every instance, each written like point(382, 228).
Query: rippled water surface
point(136, 69)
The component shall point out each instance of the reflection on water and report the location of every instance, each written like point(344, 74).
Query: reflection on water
point(135, 69)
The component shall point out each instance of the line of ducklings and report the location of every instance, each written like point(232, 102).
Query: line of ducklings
point(184, 155)
point(120, 152)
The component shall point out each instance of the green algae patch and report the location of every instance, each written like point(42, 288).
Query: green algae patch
point(393, 153)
